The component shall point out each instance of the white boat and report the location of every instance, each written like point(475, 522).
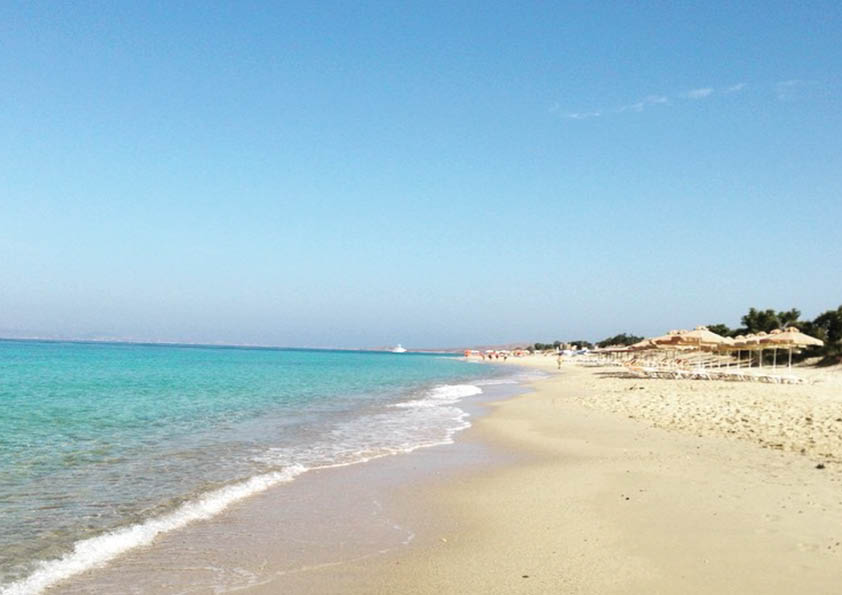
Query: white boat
point(399, 349)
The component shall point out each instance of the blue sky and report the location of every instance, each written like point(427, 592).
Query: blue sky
point(436, 174)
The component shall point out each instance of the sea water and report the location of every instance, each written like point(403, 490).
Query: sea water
point(103, 447)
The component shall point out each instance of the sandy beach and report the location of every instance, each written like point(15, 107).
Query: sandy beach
point(589, 482)
point(627, 486)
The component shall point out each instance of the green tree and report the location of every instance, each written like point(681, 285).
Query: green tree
point(621, 339)
point(757, 321)
point(830, 325)
point(827, 326)
point(720, 329)
point(790, 317)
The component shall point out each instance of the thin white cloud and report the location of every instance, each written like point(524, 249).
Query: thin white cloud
point(632, 107)
point(582, 115)
point(654, 100)
point(791, 89)
point(639, 106)
point(699, 93)
point(736, 88)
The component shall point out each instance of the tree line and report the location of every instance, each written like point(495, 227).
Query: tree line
point(827, 326)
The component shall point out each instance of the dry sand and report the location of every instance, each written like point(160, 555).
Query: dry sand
point(667, 502)
point(804, 418)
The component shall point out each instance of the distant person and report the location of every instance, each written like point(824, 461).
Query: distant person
point(558, 361)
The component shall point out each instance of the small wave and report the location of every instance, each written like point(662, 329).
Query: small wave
point(448, 393)
point(95, 551)
point(431, 420)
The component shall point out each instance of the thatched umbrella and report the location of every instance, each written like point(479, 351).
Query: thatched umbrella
point(773, 340)
point(727, 345)
point(701, 338)
point(643, 345)
point(750, 343)
point(671, 338)
point(791, 338)
point(758, 340)
point(737, 343)
point(678, 340)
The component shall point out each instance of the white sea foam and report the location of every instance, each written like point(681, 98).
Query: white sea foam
point(448, 393)
point(519, 378)
point(497, 381)
point(430, 420)
point(95, 551)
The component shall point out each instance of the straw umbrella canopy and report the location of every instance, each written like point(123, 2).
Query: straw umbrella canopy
point(671, 338)
point(643, 345)
point(701, 336)
point(791, 338)
point(673, 341)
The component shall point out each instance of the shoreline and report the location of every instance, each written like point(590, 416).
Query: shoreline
point(598, 502)
point(547, 492)
point(326, 517)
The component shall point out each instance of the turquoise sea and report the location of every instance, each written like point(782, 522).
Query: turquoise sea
point(105, 446)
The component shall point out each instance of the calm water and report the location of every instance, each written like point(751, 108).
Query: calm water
point(103, 447)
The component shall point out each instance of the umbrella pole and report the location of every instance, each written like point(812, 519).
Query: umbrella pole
point(789, 365)
point(775, 358)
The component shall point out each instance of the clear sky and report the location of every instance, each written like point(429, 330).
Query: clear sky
point(436, 174)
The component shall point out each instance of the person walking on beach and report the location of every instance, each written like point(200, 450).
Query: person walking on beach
point(558, 361)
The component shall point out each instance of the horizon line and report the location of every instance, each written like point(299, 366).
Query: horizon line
point(154, 343)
